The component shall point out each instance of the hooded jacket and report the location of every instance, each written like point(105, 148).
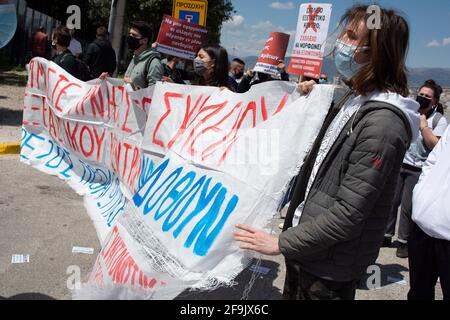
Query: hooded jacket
point(345, 215)
point(145, 69)
point(100, 57)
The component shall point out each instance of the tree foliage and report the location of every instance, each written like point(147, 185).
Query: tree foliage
point(153, 11)
point(96, 13)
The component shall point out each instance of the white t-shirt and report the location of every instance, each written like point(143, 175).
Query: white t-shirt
point(413, 155)
point(334, 130)
point(431, 201)
point(75, 47)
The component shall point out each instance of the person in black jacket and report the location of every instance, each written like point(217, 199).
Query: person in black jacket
point(64, 58)
point(336, 220)
point(99, 55)
point(172, 73)
point(247, 81)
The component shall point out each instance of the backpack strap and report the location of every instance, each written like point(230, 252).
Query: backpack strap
point(64, 56)
point(437, 117)
point(149, 62)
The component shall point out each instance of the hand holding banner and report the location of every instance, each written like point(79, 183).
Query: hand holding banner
point(168, 171)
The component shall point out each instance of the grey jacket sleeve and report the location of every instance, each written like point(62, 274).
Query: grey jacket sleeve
point(155, 72)
point(379, 144)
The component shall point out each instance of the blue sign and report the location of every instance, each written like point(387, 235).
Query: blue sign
point(190, 16)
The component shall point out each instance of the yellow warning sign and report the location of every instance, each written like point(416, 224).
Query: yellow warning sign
point(193, 11)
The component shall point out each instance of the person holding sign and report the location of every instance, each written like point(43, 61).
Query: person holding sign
point(340, 206)
point(173, 73)
point(248, 81)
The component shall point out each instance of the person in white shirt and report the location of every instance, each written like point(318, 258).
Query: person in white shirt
point(75, 45)
point(432, 126)
point(429, 244)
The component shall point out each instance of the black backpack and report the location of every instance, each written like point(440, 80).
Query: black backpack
point(83, 71)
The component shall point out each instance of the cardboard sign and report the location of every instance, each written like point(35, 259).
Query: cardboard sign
point(180, 38)
point(312, 32)
point(168, 171)
point(274, 51)
point(193, 11)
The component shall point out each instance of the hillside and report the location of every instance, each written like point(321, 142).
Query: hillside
point(417, 76)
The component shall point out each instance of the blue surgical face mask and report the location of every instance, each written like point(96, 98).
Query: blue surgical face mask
point(199, 66)
point(344, 58)
point(8, 23)
point(323, 81)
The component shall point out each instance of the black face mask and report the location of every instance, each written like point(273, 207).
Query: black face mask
point(133, 43)
point(238, 75)
point(263, 77)
point(424, 102)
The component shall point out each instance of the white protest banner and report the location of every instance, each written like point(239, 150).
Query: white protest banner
point(168, 171)
point(312, 32)
point(273, 53)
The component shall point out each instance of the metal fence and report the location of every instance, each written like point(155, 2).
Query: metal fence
point(28, 21)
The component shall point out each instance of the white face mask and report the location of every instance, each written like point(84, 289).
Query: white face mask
point(199, 66)
point(344, 58)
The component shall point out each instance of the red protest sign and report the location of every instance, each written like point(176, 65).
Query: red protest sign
point(274, 51)
point(180, 38)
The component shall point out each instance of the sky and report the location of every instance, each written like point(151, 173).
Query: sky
point(254, 20)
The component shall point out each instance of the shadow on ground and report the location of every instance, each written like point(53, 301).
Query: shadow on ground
point(13, 78)
point(28, 296)
point(10, 117)
point(389, 274)
point(263, 288)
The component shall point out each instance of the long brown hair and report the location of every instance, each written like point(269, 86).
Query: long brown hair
point(386, 70)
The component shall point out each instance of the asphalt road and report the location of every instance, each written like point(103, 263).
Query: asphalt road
point(41, 216)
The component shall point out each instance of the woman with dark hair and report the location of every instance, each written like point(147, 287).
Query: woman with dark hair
point(432, 127)
point(211, 65)
point(340, 205)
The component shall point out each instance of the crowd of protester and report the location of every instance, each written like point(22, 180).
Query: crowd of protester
point(375, 147)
